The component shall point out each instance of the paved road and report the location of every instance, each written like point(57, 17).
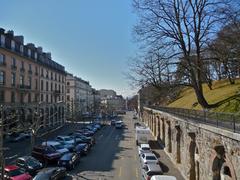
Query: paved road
point(113, 157)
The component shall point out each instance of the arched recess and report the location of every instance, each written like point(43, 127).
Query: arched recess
point(194, 173)
point(169, 138)
point(222, 169)
point(178, 141)
point(163, 131)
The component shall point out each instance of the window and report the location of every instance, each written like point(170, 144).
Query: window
point(2, 40)
point(13, 79)
point(30, 67)
point(30, 82)
point(51, 75)
point(2, 77)
point(29, 97)
point(13, 45)
point(47, 98)
point(55, 86)
point(12, 97)
point(47, 74)
point(21, 80)
point(46, 85)
point(63, 79)
point(51, 86)
point(68, 98)
point(59, 87)
point(13, 62)
point(55, 76)
point(51, 99)
point(68, 83)
point(29, 52)
point(59, 78)
point(41, 85)
point(62, 89)
point(2, 96)
point(36, 98)
point(41, 97)
point(21, 98)
point(68, 90)
point(21, 48)
point(62, 98)
point(36, 70)
point(22, 65)
point(42, 72)
point(2, 58)
point(36, 84)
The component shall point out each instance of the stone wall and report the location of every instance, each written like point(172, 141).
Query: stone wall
point(200, 152)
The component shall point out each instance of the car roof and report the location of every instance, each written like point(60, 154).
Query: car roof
point(149, 154)
point(50, 143)
point(163, 177)
point(154, 167)
point(26, 157)
point(67, 156)
point(145, 145)
point(11, 167)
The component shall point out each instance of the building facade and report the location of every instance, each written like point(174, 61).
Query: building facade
point(32, 85)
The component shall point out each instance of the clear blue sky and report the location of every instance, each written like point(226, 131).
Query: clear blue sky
point(91, 38)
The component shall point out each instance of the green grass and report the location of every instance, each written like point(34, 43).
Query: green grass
point(222, 91)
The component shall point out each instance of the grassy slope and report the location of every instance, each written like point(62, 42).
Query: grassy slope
point(222, 91)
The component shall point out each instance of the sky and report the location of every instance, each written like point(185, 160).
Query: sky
point(91, 38)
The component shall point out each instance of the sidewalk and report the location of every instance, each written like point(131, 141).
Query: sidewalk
point(165, 162)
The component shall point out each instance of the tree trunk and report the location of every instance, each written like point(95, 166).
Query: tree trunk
point(201, 99)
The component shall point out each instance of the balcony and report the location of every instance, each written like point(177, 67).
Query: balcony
point(3, 63)
point(24, 87)
point(22, 70)
point(14, 67)
point(56, 92)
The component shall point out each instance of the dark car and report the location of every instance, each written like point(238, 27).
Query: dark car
point(29, 164)
point(53, 173)
point(82, 149)
point(85, 139)
point(113, 122)
point(45, 154)
point(69, 160)
point(13, 172)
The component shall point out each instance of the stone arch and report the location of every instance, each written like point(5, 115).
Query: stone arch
point(178, 141)
point(194, 156)
point(169, 137)
point(163, 131)
point(222, 168)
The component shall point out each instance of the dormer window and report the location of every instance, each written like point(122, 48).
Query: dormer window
point(13, 45)
point(29, 52)
point(35, 55)
point(2, 40)
point(21, 48)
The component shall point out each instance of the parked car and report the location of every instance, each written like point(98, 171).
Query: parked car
point(149, 170)
point(69, 160)
point(85, 139)
point(67, 141)
point(113, 122)
point(163, 177)
point(137, 124)
point(13, 172)
point(29, 164)
point(148, 158)
point(57, 146)
point(144, 148)
point(118, 124)
point(53, 173)
point(20, 137)
point(45, 154)
point(82, 149)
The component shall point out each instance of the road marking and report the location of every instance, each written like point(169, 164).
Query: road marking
point(136, 173)
point(120, 171)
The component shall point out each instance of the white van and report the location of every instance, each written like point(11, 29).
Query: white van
point(163, 177)
point(143, 135)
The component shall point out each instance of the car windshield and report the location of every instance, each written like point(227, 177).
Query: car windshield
point(151, 158)
point(15, 172)
point(67, 139)
point(145, 148)
point(59, 146)
point(42, 176)
point(32, 162)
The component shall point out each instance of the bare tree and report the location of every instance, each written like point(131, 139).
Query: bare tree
point(187, 27)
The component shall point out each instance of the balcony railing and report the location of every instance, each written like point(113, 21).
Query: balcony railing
point(24, 87)
point(14, 67)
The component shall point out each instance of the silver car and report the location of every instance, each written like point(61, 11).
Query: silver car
point(148, 158)
point(149, 170)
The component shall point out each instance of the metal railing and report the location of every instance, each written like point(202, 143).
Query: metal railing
point(228, 121)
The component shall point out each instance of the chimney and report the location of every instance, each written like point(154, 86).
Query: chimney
point(19, 39)
point(30, 45)
point(2, 30)
point(49, 55)
point(39, 50)
point(10, 33)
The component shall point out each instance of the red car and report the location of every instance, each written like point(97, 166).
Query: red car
point(13, 172)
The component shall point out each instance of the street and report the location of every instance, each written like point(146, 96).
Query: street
point(114, 156)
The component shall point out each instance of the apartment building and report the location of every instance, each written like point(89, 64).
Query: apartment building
point(32, 85)
point(80, 97)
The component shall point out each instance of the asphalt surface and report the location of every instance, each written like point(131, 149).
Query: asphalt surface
point(114, 156)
